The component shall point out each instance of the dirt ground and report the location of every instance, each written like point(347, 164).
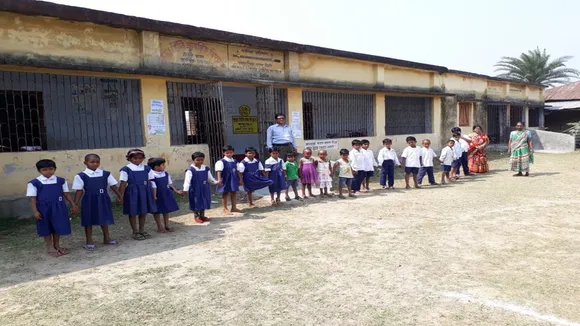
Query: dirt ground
point(489, 250)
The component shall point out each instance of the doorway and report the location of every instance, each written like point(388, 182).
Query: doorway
point(494, 122)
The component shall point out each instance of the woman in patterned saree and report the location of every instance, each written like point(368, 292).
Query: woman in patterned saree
point(477, 159)
point(521, 151)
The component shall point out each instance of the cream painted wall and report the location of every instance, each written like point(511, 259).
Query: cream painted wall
point(322, 68)
point(455, 82)
point(407, 78)
point(38, 37)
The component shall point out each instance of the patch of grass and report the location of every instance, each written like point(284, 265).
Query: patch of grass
point(11, 225)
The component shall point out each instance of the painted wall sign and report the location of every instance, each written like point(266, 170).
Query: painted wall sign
point(244, 123)
point(227, 59)
point(321, 144)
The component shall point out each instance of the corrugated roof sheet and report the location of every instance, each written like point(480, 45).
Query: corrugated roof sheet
point(563, 105)
point(565, 92)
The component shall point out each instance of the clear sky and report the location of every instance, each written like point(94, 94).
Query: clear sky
point(459, 34)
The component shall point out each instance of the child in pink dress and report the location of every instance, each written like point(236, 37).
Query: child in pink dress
point(308, 173)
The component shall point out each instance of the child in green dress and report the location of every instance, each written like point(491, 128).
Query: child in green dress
point(292, 176)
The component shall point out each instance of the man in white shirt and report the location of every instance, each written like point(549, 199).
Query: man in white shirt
point(411, 158)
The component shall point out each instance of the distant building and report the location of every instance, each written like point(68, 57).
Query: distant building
point(75, 81)
point(562, 106)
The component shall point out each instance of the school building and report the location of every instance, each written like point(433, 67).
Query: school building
point(75, 81)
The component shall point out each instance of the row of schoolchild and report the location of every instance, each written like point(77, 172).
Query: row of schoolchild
point(148, 189)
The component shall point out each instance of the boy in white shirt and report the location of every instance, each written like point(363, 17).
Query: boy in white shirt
point(411, 161)
point(357, 164)
point(387, 160)
point(463, 160)
point(427, 155)
point(369, 165)
point(457, 152)
point(446, 158)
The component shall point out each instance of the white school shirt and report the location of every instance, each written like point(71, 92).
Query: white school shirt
point(386, 154)
point(188, 176)
point(428, 154)
point(457, 149)
point(464, 145)
point(242, 167)
point(31, 190)
point(219, 165)
point(370, 162)
point(273, 161)
point(412, 156)
point(447, 156)
point(141, 167)
point(79, 184)
point(161, 174)
point(357, 160)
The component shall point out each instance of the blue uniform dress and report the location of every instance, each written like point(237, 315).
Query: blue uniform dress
point(199, 193)
point(253, 177)
point(276, 174)
point(50, 203)
point(96, 203)
point(230, 180)
point(166, 202)
point(138, 196)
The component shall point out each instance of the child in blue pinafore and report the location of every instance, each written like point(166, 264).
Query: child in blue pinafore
point(163, 194)
point(277, 173)
point(252, 174)
point(91, 185)
point(196, 184)
point(228, 182)
point(137, 191)
point(46, 194)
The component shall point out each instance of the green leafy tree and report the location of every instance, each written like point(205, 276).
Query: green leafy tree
point(536, 67)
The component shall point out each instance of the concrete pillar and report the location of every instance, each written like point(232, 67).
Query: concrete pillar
point(380, 114)
point(154, 89)
point(526, 115)
point(292, 63)
point(150, 50)
point(295, 105)
point(480, 115)
point(379, 76)
point(541, 117)
point(448, 117)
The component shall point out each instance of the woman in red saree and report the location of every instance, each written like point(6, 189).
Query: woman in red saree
point(477, 159)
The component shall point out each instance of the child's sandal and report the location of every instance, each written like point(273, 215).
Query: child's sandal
point(138, 236)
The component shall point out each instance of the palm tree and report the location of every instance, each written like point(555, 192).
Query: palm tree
point(536, 67)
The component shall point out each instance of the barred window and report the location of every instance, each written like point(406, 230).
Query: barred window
point(464, 114)
point(59, 112)
point(337, 115)
point(408, 115)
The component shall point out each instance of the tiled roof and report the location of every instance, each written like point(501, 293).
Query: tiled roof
point(565, 92)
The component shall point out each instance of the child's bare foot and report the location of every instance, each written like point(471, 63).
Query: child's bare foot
point(236, 210)
point(161, 231)
point(351, 195)
point(227, 212)
point(168, 229)
point(417, 187)
point(408, 187)
point(252, 205)
point(341, 196)
point(63, 251)
point(274, 203)
point(53, 253)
